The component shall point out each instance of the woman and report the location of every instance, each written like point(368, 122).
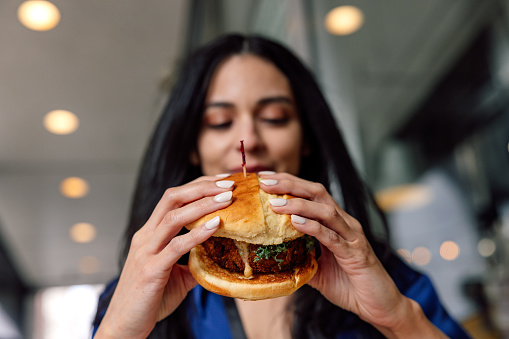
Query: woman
point(253, 89)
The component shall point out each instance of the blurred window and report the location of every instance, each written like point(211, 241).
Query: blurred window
point(65, 312)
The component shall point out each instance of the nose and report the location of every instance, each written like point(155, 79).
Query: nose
point(250, 134)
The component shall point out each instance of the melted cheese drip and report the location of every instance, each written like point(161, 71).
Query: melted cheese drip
point(244, 254)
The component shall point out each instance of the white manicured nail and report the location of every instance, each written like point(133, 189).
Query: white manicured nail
point(212, 223)
point(298, 219)
point(223, 175)
point(278, 202)
point(269, 182)
point(223, 197)
point(225, 183)
point(266, 172)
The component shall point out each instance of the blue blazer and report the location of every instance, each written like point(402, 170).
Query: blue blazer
point(208, 317)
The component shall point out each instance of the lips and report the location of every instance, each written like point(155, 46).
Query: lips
point(252, 169)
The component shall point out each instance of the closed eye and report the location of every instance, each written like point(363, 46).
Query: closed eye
point(276, 121)
point(221, 126)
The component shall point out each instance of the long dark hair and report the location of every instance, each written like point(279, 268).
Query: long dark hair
point(167, 164)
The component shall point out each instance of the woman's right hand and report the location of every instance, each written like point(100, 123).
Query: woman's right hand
point(152, 285)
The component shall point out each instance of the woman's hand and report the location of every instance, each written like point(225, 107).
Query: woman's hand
point(152, 285)
point(349, 273)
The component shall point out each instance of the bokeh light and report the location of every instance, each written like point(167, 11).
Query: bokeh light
point(89, 265)
point(344, 20)
point(74, 187)
point(486, 247)
point(61, 122)
point(421, 256)
point(82, 232)
point(404, 197)
point(449, 250)
point(38, 15)
point(405, 254)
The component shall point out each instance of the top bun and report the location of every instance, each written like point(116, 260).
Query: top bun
point(250, 218)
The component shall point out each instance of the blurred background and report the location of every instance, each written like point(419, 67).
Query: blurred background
point(420, 89)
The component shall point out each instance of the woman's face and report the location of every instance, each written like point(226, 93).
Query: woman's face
point(249, 99)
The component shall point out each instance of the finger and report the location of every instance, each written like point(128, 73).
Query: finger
point(327, 237)
point(176, 197)
point(182, 244)
point(211, 177)
point(326, 265)
point(174, 220)
point(284, 183)
point(326, 215)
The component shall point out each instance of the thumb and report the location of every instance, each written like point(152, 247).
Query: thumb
point(187, 277)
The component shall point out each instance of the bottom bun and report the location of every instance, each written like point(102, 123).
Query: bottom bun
point(261, 286)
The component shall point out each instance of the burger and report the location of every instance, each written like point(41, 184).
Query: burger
point(256, 253)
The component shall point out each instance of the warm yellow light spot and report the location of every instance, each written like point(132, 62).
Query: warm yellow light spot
point(421, 256)
point(405, 254)
point(38, 15)
point(74, 187)
point(449, 250)
point(61, 122)
point(486, 247)
point(403, 197)
point(344, 20)
point(89, 265)
point(82, 232)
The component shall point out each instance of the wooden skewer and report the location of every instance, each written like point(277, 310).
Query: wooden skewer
point(243, 158)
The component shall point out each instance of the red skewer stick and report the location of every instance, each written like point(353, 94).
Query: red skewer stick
point(243, 158)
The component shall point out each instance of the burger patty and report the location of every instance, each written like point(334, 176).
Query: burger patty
point(262, 259)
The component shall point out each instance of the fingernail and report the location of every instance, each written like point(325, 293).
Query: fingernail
point(278, 202)
point(223, 175)
point(223, 197)
point(266, 172)
point(225, 183)
point(212, 223)
point(298, 219)
point(269, 182)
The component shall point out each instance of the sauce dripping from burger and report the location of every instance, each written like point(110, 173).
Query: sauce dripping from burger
point(244, 254)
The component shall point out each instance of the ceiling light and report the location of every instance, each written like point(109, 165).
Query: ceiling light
point(61, 122)
point(74, 187)
point(344, 20)
point(89, 265)
point(449, 250)
point(403, 197)
point(82, 232)
point(421, 256)
point(38, 15)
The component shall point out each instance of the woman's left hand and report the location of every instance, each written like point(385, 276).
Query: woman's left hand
point(349, 273)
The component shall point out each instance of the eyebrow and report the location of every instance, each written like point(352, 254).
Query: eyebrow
point(277, 99)
point(219, 104)
point(261, 102)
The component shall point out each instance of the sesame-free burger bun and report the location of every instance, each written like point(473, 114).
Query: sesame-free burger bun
point(249, 217)
point(256, 253)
